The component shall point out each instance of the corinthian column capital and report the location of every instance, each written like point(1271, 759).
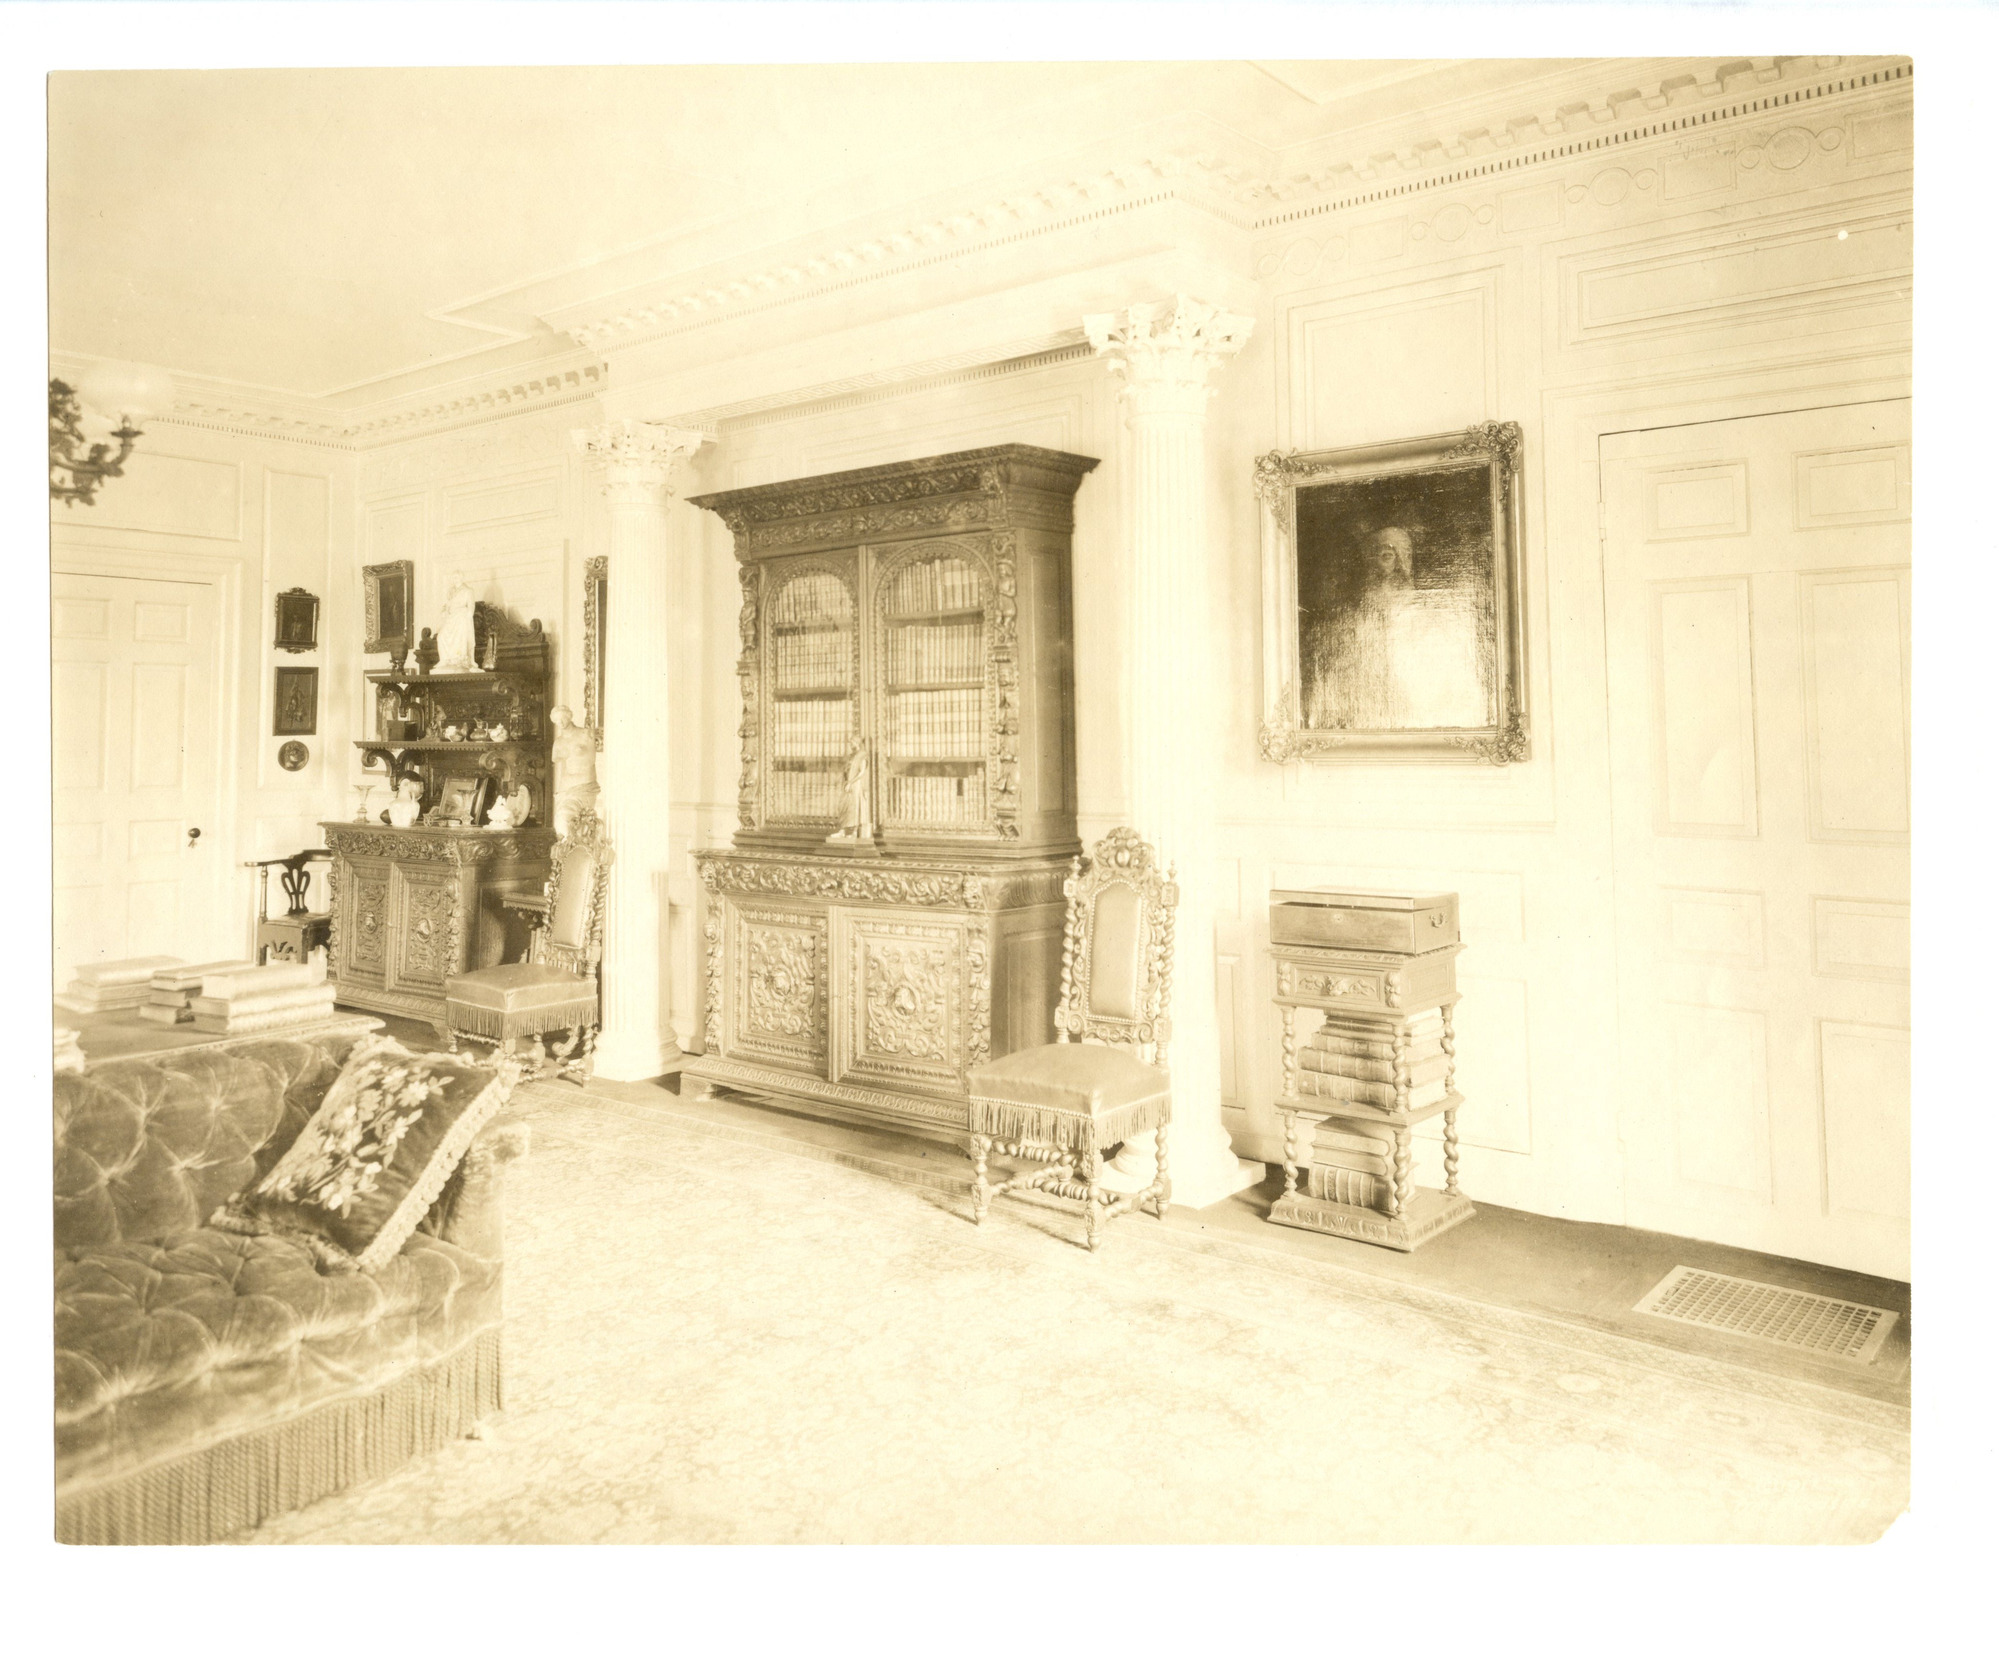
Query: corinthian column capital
point(1166, 353)
point(638, 457)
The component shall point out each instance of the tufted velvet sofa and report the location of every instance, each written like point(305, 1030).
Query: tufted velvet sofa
point(206, 1381)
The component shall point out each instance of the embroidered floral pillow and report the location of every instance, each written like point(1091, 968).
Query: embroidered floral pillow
point(375, 1157)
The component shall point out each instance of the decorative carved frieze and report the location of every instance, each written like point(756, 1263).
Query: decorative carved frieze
point(904, 884)
point(456, 848)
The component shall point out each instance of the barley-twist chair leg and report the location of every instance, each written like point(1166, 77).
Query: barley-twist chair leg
point(1161, 1191)
point(1091, 1163)
point(589, 1053)
point(982, 1192)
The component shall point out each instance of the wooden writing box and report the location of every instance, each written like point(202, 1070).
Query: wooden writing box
point(1364, 920)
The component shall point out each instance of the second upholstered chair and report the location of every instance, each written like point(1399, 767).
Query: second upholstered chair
point(1061, 1107)
point(555, 990)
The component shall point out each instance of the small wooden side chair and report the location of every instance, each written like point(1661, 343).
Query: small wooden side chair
point(555, 989)
point(295, 934)
point(1062, 1107)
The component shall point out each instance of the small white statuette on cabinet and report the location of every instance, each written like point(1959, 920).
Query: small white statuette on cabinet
point(857, 822)
point(457, 642)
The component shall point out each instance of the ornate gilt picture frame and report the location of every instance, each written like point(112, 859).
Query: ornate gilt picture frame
point(595, 618)
point(1391, 606)
point(388, 605)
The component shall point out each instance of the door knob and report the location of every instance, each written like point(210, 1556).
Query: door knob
point(193, 833)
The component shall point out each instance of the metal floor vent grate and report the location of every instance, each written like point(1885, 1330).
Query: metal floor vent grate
point(1771, 1314)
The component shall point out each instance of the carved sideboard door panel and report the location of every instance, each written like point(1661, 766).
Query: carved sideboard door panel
point(778, 964)
point(869, 988)
point(901, 994)
point(413, 905)
point(364, 922)
point(429, 929)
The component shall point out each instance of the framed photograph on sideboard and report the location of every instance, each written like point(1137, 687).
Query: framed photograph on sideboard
point(1391, 601)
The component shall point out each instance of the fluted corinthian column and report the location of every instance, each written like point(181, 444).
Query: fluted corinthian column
point(1166, 355)
point(637, 1039)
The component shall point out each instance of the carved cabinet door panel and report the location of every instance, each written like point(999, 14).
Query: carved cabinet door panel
point(430, 942)
point(903, 1000)
point(364, 922)
point(775, 993)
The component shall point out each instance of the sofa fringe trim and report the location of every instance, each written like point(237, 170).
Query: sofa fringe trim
point(204, 1496)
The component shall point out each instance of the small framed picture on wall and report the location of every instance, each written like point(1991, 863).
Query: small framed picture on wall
point(297, 630)
point(295, 707)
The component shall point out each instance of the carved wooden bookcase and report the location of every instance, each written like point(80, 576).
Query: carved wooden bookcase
point(919, 614)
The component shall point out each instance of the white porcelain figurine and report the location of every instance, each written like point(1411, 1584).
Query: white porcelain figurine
point(457, 640)
point(575, 757)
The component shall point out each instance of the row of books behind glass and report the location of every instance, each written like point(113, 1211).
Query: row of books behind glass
point(933, 587)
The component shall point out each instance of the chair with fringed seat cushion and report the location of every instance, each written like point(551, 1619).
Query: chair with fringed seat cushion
point(1060, 1108)
point(555, 989)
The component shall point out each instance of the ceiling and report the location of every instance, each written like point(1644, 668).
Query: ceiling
point(327, 232)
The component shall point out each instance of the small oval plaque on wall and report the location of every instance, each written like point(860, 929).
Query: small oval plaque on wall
point(292, 755)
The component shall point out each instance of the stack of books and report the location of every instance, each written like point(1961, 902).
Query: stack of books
point(1352, 1163)
point(172, 991)
point(122, 984)
point(1352, 1064)
point(269, 997)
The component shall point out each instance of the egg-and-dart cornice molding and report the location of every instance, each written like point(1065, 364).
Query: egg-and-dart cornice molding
point(1677, 103)
point(481, 402)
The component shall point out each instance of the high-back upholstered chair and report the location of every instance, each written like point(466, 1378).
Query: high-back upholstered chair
point(555, 990)
point(1061, 1107)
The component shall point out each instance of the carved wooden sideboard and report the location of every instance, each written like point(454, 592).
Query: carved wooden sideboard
point(906, 681)
point(871, 988)
point(412, 905)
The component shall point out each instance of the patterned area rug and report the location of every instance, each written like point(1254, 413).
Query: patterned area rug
point(714, 1342)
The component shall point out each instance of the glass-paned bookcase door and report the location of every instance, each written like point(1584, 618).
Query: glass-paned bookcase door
point(934, 659)
point(813, 655)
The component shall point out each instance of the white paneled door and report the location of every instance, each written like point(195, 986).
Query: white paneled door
point(1756, 584)
point(137, 834)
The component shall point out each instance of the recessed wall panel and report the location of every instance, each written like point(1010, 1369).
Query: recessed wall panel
point(1856, 710)
point(1714, 926)
point(1698, 502)
point(79, 617)
point(1717, 1085)
point(1704, 741)
point(1365, 369)
point(159, 724)
point(160, 622)
point(1864, 1095)
point(77, 690)
point(1865, 939)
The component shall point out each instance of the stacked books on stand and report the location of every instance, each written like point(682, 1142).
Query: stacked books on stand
point(1350, 1062)
point(269, 997)
point(121, 984)
point(172, 991)
point(1352, 1163)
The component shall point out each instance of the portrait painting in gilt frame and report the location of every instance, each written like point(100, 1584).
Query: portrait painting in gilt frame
point(1392, 601)
point(388, 606)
